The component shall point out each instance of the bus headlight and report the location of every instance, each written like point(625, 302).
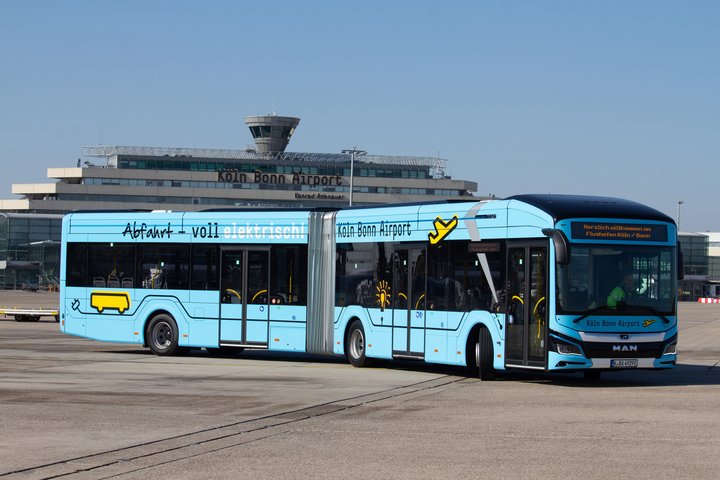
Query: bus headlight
point(670, 349)
point(564, 348)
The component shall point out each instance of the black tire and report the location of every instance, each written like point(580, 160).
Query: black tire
point(162, 335)
point(355, 345)
point(484, 355)
point(592, 375)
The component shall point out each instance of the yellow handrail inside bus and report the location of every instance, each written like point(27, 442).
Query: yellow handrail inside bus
point(540, 320)
point(257, 294)
point(418, 301)
point(234, 293)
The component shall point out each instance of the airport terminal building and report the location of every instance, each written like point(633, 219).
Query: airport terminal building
point(121, 177)
point(152, 178)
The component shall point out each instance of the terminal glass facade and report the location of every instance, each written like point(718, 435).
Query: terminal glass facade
point(213, 165)
point(29, 250)
point(695, 252)
point(699, 267)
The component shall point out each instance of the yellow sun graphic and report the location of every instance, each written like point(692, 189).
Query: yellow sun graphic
point(383, 294)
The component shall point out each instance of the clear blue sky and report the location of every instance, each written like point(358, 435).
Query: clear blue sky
point(616, 98)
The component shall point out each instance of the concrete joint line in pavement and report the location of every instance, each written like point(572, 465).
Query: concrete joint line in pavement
point(177, 448)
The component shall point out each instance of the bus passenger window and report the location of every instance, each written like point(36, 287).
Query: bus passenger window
point(204, 273)
point(288, 270)
point(354, 274)
point(110, 262)
point(164, 266)
point(76, 264)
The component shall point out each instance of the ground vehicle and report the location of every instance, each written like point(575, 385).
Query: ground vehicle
point(515, 283)
point(25, 314)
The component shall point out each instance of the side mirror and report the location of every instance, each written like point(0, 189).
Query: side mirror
point(562, 248)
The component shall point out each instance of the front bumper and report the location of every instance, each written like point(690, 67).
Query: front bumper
point(603, 349)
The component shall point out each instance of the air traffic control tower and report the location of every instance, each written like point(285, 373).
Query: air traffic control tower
point(271, 132)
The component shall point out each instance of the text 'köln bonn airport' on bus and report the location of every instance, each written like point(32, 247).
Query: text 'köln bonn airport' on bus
point(545, 282)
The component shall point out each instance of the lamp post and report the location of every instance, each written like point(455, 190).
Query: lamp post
point(680, 202)
point(354, 151)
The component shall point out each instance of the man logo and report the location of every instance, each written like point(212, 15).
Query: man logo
point(625, 348)
point(624, 336)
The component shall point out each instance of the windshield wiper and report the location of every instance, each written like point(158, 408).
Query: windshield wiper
point(654, 312)
point(587, 313)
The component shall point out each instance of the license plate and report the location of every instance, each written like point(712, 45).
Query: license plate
point(624, 363)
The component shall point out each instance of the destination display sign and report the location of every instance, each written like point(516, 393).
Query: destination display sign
point(627, 232)
point(484, 247)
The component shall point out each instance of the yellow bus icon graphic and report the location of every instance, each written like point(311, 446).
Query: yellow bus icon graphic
point(119, 301)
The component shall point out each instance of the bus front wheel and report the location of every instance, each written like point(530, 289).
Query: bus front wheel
point(162, 335)
point(355, 345)
point(484, 355)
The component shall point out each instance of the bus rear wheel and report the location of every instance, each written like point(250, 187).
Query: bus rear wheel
point(162, 335)
point(355, 345)
point(484, 355)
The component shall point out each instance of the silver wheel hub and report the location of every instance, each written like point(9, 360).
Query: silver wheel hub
point(357, 344)
point(162, 335)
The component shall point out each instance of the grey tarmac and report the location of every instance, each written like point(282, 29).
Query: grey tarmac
point(79, 409)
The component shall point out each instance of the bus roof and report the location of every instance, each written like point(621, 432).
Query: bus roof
point(255, 208)
point(584, 206)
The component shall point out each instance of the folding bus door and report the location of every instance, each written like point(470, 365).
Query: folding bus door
point(409, 278)
point(526, 297)
point(244, 306)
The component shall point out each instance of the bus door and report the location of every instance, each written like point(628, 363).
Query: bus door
point(409, 275)
point(244, 308)
point(526, 297)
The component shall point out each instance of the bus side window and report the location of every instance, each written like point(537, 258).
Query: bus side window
point(109, 263)
point(364, 268)
point(76, 265)
point(478, 293)
point(164, 266)
point(288, 272)
point(204, 273)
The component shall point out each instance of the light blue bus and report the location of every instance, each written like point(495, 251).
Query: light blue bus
point(542, 282)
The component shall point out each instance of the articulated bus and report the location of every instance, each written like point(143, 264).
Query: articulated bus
point(544, 282)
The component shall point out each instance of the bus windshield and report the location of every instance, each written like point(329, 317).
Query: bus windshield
point(617, 279)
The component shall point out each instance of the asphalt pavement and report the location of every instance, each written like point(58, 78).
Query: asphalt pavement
point(75, 408)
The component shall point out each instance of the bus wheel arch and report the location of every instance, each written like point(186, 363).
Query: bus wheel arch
point(162, 333)
point(356, 343)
